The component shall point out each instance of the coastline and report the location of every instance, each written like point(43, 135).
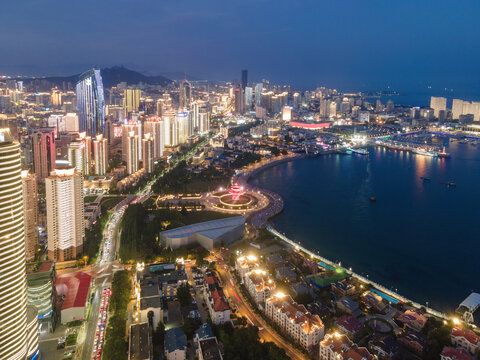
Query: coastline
point(243, 178)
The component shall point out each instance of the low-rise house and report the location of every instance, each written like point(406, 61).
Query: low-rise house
point(413, 341)
point(150, 302)
point(175, 344)
point(208, 349)
point(285, 273)
point(275, 259)
point(385, 347)
point(140, 345)
point(466, 339)
point(295, 320)
point(259, 285)
point(451, 353)
point(349, 306)
point(299, 288)
point(412, 320)
point(338, 346)
point(343, 288)
point(215, 300)
point(373, 301)
point(349, 325)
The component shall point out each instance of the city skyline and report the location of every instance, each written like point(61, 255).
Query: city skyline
point(346, 46)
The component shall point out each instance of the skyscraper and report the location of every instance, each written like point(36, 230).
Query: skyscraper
point(18, 329)
point(65, 223)
point(438, 104)
point(185, 97)
point(244, 79)
point(131, 100)
point(182, 125)
point(248, 98)
point(132, 153)
point(130, 126)
point(30, 211)
point(155, 127)
point(91, 103)
point(44, 156)
point(100, 155)
point(258, 94)
point(79, 155)
point(148, 153)
point(239, 99)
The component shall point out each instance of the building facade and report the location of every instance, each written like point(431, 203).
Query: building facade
point(44, 156)
point(100, 154)
point(91, 103)
point(30, 211)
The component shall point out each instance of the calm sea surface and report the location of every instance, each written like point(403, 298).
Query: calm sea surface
point(422, 238)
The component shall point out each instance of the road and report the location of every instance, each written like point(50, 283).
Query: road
point(243, 309)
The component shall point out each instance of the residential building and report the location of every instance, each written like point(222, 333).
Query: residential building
point(30, 211)
point(65, 214)
point(100, 155)
point(19, 335)
point(413, 320)
point(373, 301)
point(175, 344)
point(294, 319)
point(127, 129)
point(131, 100)
point(132, 153)
point(384, 347)
point(147, 148)
point(466, 339)
point(44, 155)
point(185, 96)
point(259, 285)
point(246, 263)
point(79, 155)
point(337, 346)
point(451, 353)
point(349, 306)
point(215, 299)
point(414, 341)
point(343, 288)
point(349, 325)
point(91, 103)
point(208, 349)
point(438, 104)
point(155, 127)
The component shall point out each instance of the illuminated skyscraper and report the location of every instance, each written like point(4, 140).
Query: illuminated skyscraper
point(239, 99)
point(148, 153)
point(258, 94)
point(91, 103)
point(155, 127)
point(182, 125)
point(185, 97)
point(79, 154)
point(18, 331)
point(248, 98)
point(131, 100)
point(44, 156)
point(100, 154)
point(65, 222)
point(132, 153)
point(128, 127)
point(30, 211)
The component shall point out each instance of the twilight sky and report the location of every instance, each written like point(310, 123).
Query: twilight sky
point(345, 44)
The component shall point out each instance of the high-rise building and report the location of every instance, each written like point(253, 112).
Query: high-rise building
point(30, 211)
point(132, 153)
point(203, 121)
point(438, 104)
point(79, 154)
point(148, 153)
point(100, 155)
point(182, 125)
point(18, 325)
point(91, 103)
point(44, 156)
point(248, 98)
point(244, 79)
point(185, 97)
point(155, 127)
point(258, 93)
point(65, 217)
point(131, 100)
point(239, 100)
point(136, 127)
point(457, 109)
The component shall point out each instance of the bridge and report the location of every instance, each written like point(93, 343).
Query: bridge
point(361, 278)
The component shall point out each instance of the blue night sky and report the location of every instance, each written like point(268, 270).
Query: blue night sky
point(345, 44)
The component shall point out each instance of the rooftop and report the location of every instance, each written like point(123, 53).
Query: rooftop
point(467, 334)
point(75, 287)
point(456, 354)
point(175, 339)
point(139, 342)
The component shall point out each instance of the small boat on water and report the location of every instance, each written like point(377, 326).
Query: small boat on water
point(443, 154)
point(360, 151)
point(425, 178)
point(451, 184)
point(373, 198)
point(344, 151)
point(425, 152)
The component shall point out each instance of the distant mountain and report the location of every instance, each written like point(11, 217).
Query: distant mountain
point(110, 77)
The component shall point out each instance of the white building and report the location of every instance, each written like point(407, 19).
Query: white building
point(466, 339)
point(259, 285)
point(65, 218)
point(30, 211)
point(100, 155)
point(438, 104)
point(306, 329)
point(336, 346)
point(148, 151)
point(132, 153)
point(245, 264)
point(155, 127)
point(215, 300)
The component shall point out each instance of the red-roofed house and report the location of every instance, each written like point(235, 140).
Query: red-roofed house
point(465, 339)
point(215, 299)
point(451, 353)
point(74, 289)
point(413, 320)
point(349, 325)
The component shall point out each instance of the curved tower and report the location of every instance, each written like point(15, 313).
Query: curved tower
point(13, 285)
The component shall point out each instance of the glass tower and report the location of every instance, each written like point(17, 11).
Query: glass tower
point(91, 103)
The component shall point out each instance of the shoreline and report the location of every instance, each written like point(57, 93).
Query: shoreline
point(255, 172)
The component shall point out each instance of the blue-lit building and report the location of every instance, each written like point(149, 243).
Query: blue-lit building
point(91, 103)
